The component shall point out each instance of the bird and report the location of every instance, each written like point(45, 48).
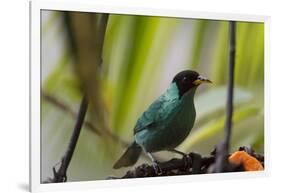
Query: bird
point(167, 121)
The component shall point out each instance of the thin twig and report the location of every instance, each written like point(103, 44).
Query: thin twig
point(64, 107)
point(223, 148)
point(229, 107)
point(60, 175)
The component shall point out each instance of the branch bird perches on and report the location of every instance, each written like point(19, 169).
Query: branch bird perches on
point(193, 163)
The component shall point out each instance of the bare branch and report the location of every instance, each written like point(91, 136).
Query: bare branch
point(64, 107)
point(60, 175)
point(223, 148)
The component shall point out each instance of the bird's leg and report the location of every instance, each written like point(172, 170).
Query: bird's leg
point(155, 164)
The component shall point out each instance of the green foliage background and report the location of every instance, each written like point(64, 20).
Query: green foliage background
point(140, 57)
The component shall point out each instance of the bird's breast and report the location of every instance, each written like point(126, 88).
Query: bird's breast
point(182, 122)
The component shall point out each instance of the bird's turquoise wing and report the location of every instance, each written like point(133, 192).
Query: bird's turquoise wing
point(156, 113)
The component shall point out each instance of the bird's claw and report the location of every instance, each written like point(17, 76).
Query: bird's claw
point(186, 160)
point(157, 169)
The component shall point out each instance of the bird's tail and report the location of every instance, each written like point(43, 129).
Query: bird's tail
point(130, 157)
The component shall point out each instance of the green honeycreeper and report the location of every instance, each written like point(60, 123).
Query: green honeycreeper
point(167, 121)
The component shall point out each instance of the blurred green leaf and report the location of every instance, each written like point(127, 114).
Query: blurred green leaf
point(215, 127)
point(55, 76)
point(200, 33)
point(250, 54)
point(219, 66)
point(149, 41)
point(218, 97)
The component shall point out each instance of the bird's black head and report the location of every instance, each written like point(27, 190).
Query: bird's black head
point(188, 79)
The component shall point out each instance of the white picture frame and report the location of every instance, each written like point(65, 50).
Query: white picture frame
point(35, 72)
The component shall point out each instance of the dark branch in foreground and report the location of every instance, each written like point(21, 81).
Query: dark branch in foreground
point(87, 51)
point(223, 148)
point(192, 164)
point(60, 175)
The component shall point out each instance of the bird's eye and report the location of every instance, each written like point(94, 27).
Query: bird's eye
point(185, 80)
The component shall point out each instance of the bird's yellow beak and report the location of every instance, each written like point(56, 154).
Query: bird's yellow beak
point(201, 80)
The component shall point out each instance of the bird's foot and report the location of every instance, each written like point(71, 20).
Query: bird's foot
point(187, 161)
point(155, 165)
point(185, 157)
point(157, 169)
